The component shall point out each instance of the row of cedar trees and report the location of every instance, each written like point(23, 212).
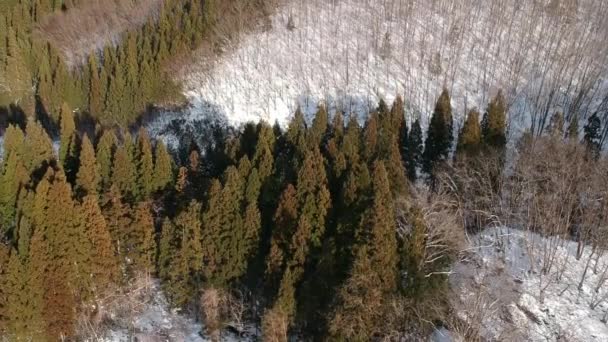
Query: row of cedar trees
point(297, 217)
point(116, 84)
point(304, 219)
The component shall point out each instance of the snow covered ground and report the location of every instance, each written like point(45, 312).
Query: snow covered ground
point(155, 321)
point(350, 53)
point(502, 286)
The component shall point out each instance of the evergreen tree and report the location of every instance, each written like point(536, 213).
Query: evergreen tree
point(313, 195)
point(96, 92)
point(285, 221)
point(118, 219)
point(14, 139)
point(469, 139)
point(374, 275)
point(68, 138)
point(319, 126)
point(185, 272)
point(414, 150)
point(227, 239)
point(88, 177)
point(592, 135)
point(142, 243)
point(38, 147)
point(494, 124)
point(370, 138)
point(124, 173)
point(145, 163)
point(263, 158)
point(440, 134)
point(167, 248)
point(103, 263)
point(12, 180)
point(105, 157)
point(163, 169)
point(23, 315)
point(396, 170)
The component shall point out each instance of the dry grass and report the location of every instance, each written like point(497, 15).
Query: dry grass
point(93, 24)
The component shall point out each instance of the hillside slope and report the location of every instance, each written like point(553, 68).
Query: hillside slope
point(350, 53)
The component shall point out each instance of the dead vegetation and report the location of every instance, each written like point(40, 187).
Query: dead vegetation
point(94, 24)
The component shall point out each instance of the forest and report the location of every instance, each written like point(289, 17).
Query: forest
point(327, 228)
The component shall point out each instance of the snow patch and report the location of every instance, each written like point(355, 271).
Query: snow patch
point(503, 276)
point(349, 54)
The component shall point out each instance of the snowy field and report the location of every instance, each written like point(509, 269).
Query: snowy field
point(350, 53)
point(501, 284)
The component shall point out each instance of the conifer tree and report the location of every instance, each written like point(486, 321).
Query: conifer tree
point(185, 272)
point(440, 134)
point(413, 159)
point(105, 157)
point(5, 252)
point(14, 139)
point(142, 243)
point(228, 241)
point(212, 221)
point(285, 221)
point(469, 139)
point(145, 163)
point(124, 173)
point(103, 263)
point(167, 248)
point(96, 92)
point(374, 274)
point(68, 136)
point(263, 158)
point(118, 219)
point(49, 280)
point(88, 177)
point(313, 195)
point(370, 137)
point(494, 123)
point(12, 179)
point(23, 314)
point(592, 135)
point(396, 170)
point(38, 148)
point(319, 127)
point(163, 174)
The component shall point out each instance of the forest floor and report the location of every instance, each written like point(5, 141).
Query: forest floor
point(154, 320)
point(349, 54)
point(502, 290)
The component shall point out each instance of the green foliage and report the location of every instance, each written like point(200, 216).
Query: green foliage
point(469, 139)
point(440, 135)
point(494, 123)
point(105, 157)
point(102, 261)
point(413, 159)
point(88, 177)
point(145, 164)
point(163, 168)
point(592, 135)
point(141, 239)
point(124, 173)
